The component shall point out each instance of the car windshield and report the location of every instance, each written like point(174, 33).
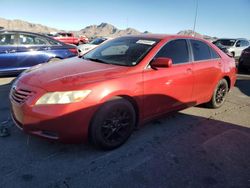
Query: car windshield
point(98, 41)
point(124, 51)
point(225, 42)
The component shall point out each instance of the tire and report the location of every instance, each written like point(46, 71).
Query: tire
point(113, 124)
point(54, 59)
point(219, 94)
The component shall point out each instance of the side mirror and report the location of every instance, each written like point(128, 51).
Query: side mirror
point(161, 62)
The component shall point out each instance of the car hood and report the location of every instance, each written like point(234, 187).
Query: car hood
point(69, 73)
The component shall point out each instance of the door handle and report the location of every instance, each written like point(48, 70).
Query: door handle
point(189, 70)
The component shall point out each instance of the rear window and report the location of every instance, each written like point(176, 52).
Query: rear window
point(54, 43)
point(26, 39)
point(201, 51)
point(214, 54)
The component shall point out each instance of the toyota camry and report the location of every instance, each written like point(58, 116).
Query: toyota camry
point(104, 95)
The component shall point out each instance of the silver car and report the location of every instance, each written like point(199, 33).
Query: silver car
point(234, 46)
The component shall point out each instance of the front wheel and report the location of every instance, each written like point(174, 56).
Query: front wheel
point(219, 94)
point(113, 124)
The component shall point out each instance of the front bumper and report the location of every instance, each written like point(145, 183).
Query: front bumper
point(67, 123)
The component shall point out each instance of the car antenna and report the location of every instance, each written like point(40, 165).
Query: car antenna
point(195, 17)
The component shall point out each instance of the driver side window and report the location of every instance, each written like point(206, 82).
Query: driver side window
point(177, 50)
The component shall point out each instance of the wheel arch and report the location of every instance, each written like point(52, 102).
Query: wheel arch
point(134, 104)
point(227, 78)
point(130, 99)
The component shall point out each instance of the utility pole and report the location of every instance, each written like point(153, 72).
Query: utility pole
point(195, 18)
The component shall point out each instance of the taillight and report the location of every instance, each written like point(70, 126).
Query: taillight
point(74, 51)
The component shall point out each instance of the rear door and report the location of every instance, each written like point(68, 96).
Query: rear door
point(167, 89)
point(32, 50)
point(8, 54)
point(207, 67)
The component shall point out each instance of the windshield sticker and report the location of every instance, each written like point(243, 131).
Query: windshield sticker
point(147, 42)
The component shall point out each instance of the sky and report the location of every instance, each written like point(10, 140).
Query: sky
point(220, 18)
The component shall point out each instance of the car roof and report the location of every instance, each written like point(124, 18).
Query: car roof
point(162, 36)
point(20, 31)
point(232, 39)
point(28, 32)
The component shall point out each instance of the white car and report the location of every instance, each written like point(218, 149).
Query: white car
point(84, 48)
point(234, 46)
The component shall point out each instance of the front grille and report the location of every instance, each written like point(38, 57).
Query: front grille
point(20, 95)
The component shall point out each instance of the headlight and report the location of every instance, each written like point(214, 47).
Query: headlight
point(63, 97)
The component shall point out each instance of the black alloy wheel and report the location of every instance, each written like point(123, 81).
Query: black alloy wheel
point(219, 94)
point(113, 124)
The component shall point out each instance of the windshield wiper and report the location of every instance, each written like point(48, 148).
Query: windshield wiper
point(96, 60)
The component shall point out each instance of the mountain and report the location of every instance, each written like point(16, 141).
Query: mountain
point(191, 33)
point(105, 29)
point(25, 26)
point(92, 31)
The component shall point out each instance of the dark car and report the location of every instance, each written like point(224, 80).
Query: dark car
point(20, 50)
point(244, 61)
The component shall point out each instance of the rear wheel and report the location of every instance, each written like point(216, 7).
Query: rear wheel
point(113, 124)
point(219, 94)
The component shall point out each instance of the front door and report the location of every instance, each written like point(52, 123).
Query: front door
point(170, 88)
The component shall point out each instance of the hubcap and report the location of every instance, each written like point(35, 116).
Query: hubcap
point(116, 127)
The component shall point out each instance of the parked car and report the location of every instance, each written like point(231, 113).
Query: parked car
point(224, 49)
point(244, 60)
point(234, 46)
point(118, 86)
point(20, 50)
point(69, 38)
point(84, 48)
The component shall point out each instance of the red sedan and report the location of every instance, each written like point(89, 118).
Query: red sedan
point(118, 86)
